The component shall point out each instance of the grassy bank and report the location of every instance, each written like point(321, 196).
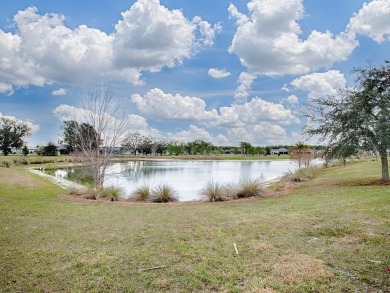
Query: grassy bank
point(330, 234)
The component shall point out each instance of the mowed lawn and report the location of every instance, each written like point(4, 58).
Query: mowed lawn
point(331, 234)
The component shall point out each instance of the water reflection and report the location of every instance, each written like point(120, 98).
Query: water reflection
point(187, 177)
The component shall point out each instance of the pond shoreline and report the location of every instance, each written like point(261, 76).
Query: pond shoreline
point(71, 185)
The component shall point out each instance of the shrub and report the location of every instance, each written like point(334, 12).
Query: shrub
point(213, 191)
point(25, 151)
point(74, 191)
point(111, 193)
point(301, 175)
point(141, 194)
point(164, 193)
point(251, 187)
point(90, 194)
point(24, 162)
point(6, 164)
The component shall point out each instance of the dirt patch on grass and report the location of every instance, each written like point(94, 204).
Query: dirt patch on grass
point(260, 246)
point(374, 182)
point(294, 268)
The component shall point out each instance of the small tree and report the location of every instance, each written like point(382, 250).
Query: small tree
point(12, 132)
point(301, 154)
point(101, 130)
point(25, 151)
point(358, 117)
point(71, 135)
point(50, 150)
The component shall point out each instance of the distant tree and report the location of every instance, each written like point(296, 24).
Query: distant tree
point(159, 146)
point(339, 152)
point(50, 150)
point(12, 133)
point(132, 142)
point(199, 147)
point(244, 147)
point(267, 151)
point(357, 117)
point(71, 135)
point(175, 148)
point(80, 135)
point(301, 154)
point(25, 151)
point(146, 145)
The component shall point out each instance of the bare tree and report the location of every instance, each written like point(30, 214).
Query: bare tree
point(133, 142)
point(107, 126)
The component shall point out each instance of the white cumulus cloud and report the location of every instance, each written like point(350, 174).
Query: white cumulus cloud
point(372, 20)
point(292, 99)
point(245, 81)
point(218, 73)
point(320, 85)
point(59, 92)
point(265, 133)
point(164, 106)
point(268, 40)
point(135, 123)
point(255, 112)
point(194, 132)
point(43, 50)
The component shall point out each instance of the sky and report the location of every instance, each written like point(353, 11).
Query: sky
point(216, 70)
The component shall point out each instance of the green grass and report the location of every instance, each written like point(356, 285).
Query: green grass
point(330, 234)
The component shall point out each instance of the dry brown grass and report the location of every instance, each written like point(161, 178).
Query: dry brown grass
point(293, 268)
point(260, 246)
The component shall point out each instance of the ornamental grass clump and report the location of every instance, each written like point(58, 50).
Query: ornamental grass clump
point(164, 193)
point(6, 164)
point(90, 194)
point(251, 188)
point(231, 190)
point(110, 193)
point(142, 193)
point(213, 191)
point(301, 175)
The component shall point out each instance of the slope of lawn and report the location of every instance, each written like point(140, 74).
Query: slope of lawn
point(331, 234)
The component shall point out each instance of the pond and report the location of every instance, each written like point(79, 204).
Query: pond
point(186, 177)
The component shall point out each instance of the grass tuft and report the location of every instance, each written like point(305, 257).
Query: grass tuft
point(164, 193)
point(301, 175)
point(251, 187)
point(90, 193)
point(213, 191)
point(142, 193)
point(6, 164)
point(111, 193)
point(231, 190)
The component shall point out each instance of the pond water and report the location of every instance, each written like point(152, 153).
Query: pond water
point(186, 177)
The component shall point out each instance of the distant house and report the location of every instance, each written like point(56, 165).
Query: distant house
point(229, 151)
point(63, 149)
point(279, 151)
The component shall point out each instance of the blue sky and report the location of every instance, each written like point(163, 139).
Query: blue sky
point(221, 71)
